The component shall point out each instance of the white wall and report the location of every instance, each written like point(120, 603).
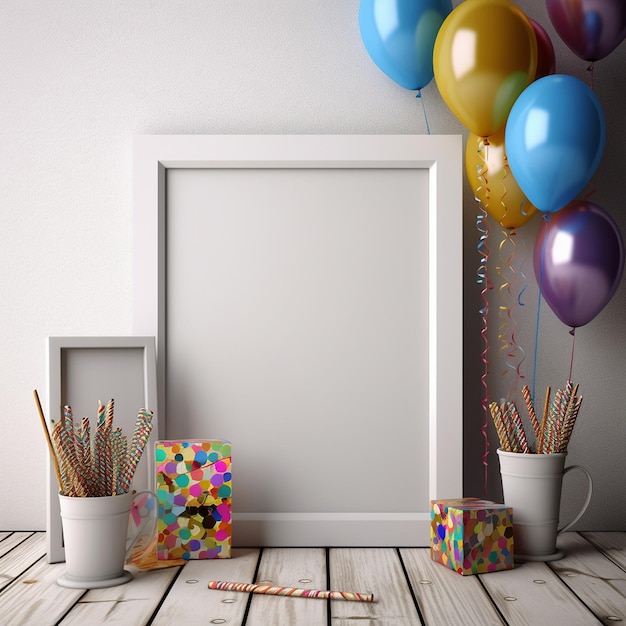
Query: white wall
point(80, 79)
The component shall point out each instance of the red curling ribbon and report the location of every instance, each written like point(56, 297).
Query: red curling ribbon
point(483, 279)
point(572, 332)
point(509, 350)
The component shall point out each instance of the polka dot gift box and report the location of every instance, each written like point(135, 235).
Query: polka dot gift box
point(471, 536)
point(194, 487)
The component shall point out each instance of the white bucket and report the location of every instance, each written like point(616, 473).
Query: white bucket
point(95, 539)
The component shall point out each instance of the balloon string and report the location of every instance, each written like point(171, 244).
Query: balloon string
point(571, 362)
point(590, 70)
point(546, 216)
point(483, 278)
point(419, 95)
point(592, 190)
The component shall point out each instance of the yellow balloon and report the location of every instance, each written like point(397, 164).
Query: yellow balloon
point(485, 55)
point(492, 182)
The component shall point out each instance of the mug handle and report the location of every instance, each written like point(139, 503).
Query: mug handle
point(587, 499)
point(147, 518)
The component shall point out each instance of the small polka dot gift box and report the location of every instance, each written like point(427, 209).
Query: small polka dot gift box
point(471, 536)
point(194, 487)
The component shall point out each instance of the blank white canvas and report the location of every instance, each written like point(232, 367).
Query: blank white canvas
point(297, 328)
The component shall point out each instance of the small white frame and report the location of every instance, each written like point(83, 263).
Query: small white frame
point(85, 370)
point(441, 158)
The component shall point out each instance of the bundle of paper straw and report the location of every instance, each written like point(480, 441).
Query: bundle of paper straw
point(102, 464)
point(551, 434)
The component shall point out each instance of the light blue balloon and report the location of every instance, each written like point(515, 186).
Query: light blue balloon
point(400, 35)
point(554, 139)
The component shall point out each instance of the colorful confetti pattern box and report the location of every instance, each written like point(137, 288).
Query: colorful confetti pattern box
point(471, 536)
point(194, 487)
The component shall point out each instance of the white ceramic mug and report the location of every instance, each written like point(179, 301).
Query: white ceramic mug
point(531, 485)
point(95, 538)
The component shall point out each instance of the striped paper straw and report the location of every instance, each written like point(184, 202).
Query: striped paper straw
point(141, 434)
point(99, 455)
point(109, 480)
point(498, 420)
point(519, 427)
point(293, 592)
point(552, 433)
point(531, 411)
point(118, 447)
point(65, 470)
point(544, 422)
point(570, 413)
point(68, 443)
point(568, 425)
point(83, 452)
point(511, 428)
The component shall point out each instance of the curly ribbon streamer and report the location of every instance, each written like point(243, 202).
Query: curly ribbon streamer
point(522, 274)
point(483, 279)
point(419, 95)
point(523, 286)
point(510, 351)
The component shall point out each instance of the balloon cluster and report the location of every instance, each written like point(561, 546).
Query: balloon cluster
point(535, 139)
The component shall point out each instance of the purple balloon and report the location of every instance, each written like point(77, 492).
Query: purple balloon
point(579, 261)
point(591, 28)
point(546, 61)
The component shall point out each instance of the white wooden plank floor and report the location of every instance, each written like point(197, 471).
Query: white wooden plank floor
point(587, 587)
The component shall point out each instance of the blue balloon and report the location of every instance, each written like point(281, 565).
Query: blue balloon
point(400, 35)
point(554, 139)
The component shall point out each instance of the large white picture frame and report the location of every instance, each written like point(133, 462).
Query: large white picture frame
point(85, 370)
point(435, 159)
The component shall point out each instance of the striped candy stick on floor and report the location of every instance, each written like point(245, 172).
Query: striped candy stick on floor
point(294, 592)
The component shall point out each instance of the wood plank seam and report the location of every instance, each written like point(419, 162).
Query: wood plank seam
point(410, 586)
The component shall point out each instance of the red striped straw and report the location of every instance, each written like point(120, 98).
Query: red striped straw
point(118, 446)
point(68, 443)
point(544, 423)
point(67, 484)
point(531, 411)
point(83, 452)
point(141, 434)
point(570, 419)
point(510, 427)
point(109, 480)
point(100, 456)
point(292, 592)
point(498, 420)
point(519, 427)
